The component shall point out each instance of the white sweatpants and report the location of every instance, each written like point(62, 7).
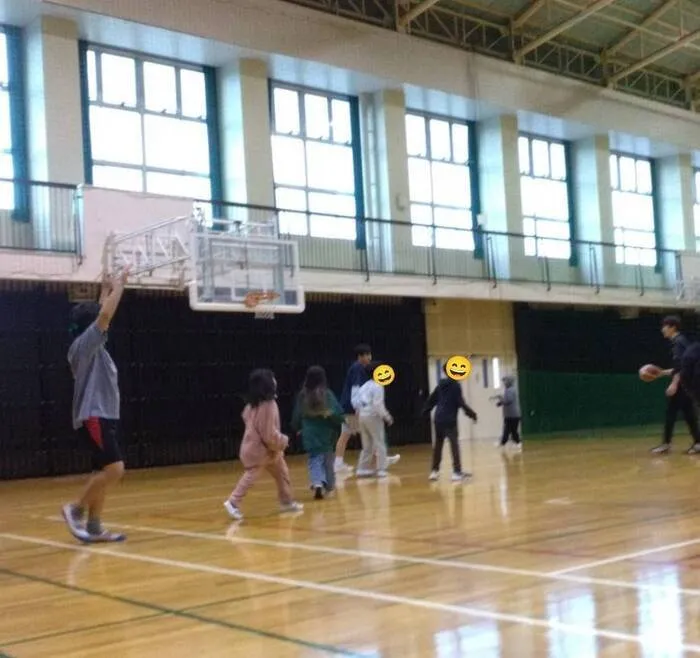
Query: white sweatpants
point(373, 442)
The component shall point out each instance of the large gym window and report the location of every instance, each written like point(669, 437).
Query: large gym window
point(633, 210)
point(440, 181)
point(313, 157)
point(545, 197)
point(12, 140)
point(148, 124)
point(696, 207)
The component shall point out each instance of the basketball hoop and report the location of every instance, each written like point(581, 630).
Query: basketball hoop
point(254, 298)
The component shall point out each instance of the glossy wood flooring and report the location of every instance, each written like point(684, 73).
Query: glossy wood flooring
point(572, 549)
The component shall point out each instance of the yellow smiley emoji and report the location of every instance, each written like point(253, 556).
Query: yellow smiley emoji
point(458, 368)
point(383, 375)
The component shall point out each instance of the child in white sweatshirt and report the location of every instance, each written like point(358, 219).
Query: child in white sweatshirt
point(368, 400)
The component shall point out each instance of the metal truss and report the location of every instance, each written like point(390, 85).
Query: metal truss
point(515, 41)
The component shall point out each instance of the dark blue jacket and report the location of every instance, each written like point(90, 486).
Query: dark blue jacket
point(357, 375)
point(448, 399)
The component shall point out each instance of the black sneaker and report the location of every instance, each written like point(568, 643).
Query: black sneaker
point(318, 493)
point(663, 449)
point(693, 450)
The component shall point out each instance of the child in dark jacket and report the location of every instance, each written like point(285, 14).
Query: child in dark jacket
point(447, 398)
point(319, 416)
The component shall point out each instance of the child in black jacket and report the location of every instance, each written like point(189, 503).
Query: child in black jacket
point(447, 398)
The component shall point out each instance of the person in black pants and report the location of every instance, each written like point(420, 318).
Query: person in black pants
point(677, 395)
point(447, 399)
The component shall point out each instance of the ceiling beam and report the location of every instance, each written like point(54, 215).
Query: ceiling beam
point(648, 20)
point(562, 27)
point(526, 14)
point(655, 56)
point(414, 13)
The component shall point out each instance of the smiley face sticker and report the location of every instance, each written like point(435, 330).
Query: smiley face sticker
point(458, 368)
point(383, 374)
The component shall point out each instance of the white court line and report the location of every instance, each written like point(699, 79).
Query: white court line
point(624, 557)
point(434, 606)
point(409, 559)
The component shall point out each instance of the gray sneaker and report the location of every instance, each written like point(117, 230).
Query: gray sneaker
point(74, 521)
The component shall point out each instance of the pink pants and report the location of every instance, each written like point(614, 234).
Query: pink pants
point(277, 468)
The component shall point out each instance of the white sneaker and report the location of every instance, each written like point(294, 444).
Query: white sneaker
point(518, 447)
point(382, 474)
point(459, 477)
point(434, 475)
point(394, 459)
point(364, 473)
point(233, 511)
point(341, 466)
point(291, 507)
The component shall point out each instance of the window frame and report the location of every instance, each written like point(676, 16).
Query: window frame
point(567, 181)
point(354, 145)
point(621, 248)
point(210, 120)
point(18, 151)
point(696, 207)
point(472, 165)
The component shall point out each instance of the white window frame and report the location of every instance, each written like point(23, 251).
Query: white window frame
point(140, 108)
point(437, 235)
point(534, 243)
point(297, 222)
point(626, 252)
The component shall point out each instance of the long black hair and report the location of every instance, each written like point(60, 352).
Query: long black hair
point(262, 386)
point(313, 393)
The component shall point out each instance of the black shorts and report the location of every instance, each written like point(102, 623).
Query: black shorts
point(102, 434)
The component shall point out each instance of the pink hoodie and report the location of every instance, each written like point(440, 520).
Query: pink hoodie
point(262, 440)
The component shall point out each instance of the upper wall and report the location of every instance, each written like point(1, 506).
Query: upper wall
point(271, 26)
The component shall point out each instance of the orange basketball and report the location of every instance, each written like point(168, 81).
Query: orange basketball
point(649, 372)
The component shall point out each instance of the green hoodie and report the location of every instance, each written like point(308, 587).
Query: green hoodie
point(319, 433)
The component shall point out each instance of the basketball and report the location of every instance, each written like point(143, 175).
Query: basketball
point(649, 372)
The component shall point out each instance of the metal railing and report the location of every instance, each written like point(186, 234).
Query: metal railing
point(376, 247)
point(39, 216)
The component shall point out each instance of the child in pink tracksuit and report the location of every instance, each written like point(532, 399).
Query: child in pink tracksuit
point(263, 445)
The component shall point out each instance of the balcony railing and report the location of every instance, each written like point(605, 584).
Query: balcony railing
point(376, 247)
point(39, 216)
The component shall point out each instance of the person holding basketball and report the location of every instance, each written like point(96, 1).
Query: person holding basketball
point(677, 394)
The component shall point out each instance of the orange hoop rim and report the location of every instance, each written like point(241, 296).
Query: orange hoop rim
point(256, 297)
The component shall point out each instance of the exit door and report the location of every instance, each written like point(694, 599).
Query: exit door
point(483, 383)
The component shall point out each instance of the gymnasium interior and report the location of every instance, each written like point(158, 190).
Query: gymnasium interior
point(514, 182)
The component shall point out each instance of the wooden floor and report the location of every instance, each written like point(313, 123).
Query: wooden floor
point(573, 549)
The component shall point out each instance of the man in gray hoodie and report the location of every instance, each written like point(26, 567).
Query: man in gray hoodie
point(511, 412)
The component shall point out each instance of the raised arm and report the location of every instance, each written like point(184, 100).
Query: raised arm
point(111, 301)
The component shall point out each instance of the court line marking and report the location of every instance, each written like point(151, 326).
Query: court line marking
point(180, 614)
point(397, 557)
point(434, 606)
point(624, 557)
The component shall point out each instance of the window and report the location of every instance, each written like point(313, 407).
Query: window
point(545, 197)
point(633, 210)
point(696, 209)
point(148, 125)
point(313, 158)
point(7, 197)
point(440, 182)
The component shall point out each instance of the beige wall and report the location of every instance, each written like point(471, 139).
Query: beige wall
point(468, 326)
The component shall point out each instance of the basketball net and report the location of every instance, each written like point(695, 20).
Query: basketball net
point(256, 298)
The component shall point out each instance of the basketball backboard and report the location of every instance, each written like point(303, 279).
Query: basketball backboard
point(227, 266)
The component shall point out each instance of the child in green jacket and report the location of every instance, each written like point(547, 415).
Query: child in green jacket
point(319, 416)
